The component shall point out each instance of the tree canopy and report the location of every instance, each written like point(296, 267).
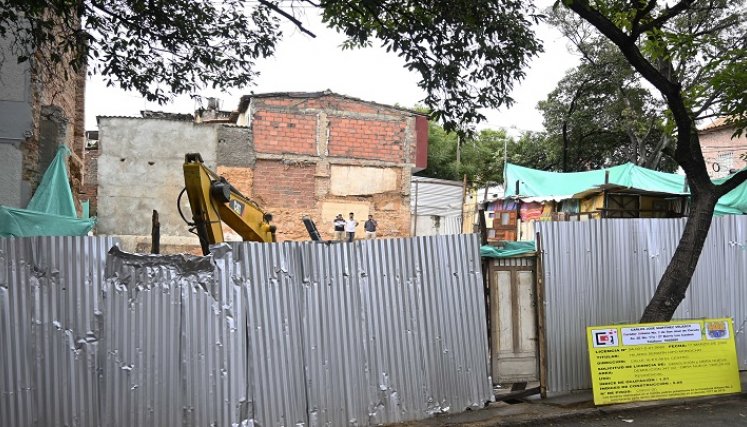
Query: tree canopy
point(468, 53)
point(480, 155)
point(685, 51)
point(600, 115)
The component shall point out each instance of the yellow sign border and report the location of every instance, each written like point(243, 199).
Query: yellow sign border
point(665, 360)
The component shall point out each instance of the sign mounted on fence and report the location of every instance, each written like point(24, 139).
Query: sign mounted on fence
point(655, 361)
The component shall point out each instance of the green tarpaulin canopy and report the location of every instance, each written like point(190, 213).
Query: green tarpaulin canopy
point(508, 249)
point(51, 211)
point(537, 183)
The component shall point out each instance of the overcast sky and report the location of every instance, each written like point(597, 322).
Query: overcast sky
point(306, 64)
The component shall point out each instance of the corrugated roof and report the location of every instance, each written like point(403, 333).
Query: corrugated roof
point(718, 123)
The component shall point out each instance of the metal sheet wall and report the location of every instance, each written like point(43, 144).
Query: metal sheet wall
point(50, 330)
point(174, 351)
point(265, 334)
point(430, 196)
point(605, 271)
point(380, 331)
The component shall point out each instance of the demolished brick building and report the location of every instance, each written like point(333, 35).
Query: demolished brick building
point(295, 154)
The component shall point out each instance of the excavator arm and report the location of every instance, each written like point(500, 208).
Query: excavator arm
point(214, 201)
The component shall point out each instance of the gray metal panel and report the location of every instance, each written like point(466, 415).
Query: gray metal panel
point(270, 275)
point(174, 351)
point(280, 334)
point(435, 197)
point(50, 330)
point(456, 346)
point(391, 330)
point(605, 271)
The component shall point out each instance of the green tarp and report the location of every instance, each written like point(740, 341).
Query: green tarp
point(51, 211)
point(508, 249)
point(537, 183)
point(54, 196)
point(26, 223)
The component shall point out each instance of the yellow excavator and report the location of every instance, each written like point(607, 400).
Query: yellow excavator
point(215, 201)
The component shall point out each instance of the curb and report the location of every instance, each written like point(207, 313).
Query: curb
point(601, 410)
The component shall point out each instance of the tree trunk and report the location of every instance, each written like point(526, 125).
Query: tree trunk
point(679, 272)
point(652, 162)
point(565, 146)
point(676, 279)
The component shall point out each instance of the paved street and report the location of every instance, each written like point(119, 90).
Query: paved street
point(728, 411)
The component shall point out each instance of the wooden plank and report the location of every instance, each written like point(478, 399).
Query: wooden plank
point(540, 303)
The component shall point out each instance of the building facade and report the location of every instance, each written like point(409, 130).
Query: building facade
point(41, 107)
point(317, 154)
point(723, 154)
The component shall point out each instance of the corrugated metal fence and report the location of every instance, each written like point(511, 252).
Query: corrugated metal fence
point(605, 271)
point(286, 334)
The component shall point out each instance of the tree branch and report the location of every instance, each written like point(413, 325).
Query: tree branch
point(687, 151)
point(665, 16)
point(625, 44)
point(707, 104)
point(288, 16)
point(735, 181)
point(640, 13)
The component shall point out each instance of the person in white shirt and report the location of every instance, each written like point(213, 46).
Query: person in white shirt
point(350, 225)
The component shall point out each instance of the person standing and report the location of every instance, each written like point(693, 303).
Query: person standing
point(350, 225)
point(339, 227)
point(370, 227)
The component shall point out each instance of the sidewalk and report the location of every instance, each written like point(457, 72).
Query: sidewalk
point(562, 406)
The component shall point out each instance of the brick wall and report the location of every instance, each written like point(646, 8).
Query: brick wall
point(240, 177)
point(58, 94)
point(367, 139)
point(284, 132)
point(299, 138)
point(89, 189)
point(279, 184)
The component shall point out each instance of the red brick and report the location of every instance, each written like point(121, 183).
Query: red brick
point(284, 185)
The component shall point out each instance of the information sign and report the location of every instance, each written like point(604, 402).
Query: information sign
point(653, 361)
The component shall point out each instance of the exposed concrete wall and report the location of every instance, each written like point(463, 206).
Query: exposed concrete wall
point(13, 192)
point(140, 169)
point(16, 126)
point(41, 107)
point(235, 147)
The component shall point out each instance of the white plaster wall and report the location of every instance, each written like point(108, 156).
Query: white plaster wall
point(140, 169)
point(720, 141)
point(361, 180)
